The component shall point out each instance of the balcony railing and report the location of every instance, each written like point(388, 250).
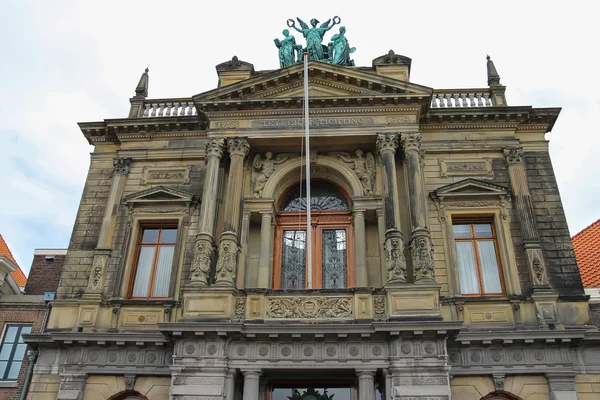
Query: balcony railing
point(457, 98)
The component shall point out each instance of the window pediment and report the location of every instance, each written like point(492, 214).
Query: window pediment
point(469, 189)
point(160, 195)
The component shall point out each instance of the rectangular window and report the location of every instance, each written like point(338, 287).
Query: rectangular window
point(153, 263)
point(479, 269)
point(12, 351)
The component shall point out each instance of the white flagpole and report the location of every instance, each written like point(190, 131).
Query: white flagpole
point(306, 134)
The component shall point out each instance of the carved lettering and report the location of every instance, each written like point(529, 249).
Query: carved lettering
point(226, 124)
point(314, 122)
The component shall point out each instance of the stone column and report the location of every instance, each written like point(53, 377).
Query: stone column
point(203, 246)
point(103, 247)
point(228, 247)
point(264, 257)
point(230, 384)
point(395, 263)
point(251, 387)
point(420, 238)
point(562, 386)
point(360, 248)
point(366, 385)
point(71, 386)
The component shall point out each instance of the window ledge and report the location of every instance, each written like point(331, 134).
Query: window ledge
point(142, 302)
point(9, 384)
point(474, 299)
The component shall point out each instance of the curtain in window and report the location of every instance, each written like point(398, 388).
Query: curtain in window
point(489, 266)
point(164, 267)
point(143, 272)
point(467, 270)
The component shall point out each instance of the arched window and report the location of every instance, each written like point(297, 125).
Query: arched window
point(332, 239)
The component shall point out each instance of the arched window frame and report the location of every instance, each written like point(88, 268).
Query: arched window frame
point(320, 221)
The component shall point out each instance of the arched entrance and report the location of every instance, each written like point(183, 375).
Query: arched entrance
point(332, 238)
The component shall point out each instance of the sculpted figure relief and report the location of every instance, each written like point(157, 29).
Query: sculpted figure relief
point(289, 51)
point(201, 262)
point(314, 35)
point(364, 168)
point(264, 168)
point(422, 259)
point(226, 264)
point(395, 261)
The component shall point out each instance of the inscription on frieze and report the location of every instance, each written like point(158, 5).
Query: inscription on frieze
point(153, 175)
point(298, 123)
point(481, 167)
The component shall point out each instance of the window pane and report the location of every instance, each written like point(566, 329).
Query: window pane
point(5, 352)
point(489, 266)
point(24, 330)
point(293, 260)
point(467, 270)
point(3, 365)
point(168, 236)
point(20, 352)
point(11, 333)
point(150, 236)
point(461, 230)
point(143, 272)
point(164, 267)
point(323, 196)
point(483, 230)
point(15, 367)
point(334, 259)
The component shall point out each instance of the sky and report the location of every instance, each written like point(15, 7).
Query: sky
point(64, 62)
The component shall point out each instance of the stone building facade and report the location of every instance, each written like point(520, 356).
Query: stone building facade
point(441, 264)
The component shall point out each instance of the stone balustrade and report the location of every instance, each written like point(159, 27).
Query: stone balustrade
point(461, 98)
point(168, 108)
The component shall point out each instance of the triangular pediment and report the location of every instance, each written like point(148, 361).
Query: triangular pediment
point(470, 188)
point(159, 194)
point(324, 81)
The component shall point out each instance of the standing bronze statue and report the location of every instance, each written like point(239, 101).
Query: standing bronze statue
point(339, 49)
point(314, 36)
point(288, 49)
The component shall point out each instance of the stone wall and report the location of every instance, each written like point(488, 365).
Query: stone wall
point(526, 387)
point(588, 386)
point(563, 273)
point(43, 387)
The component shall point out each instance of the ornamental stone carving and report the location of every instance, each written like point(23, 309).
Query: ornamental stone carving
point(240, 308)
point(309, 307)
point(364, 167)
point(387, 142)
point(263, 169)
point(411, 141)
point(129, 381)
point(227, 262)
point(395, 262)
point(98, 270)
point(514, 156)
point(422, 257)
point(238, 146)
point(214, 148)
point(121, 166)
point(200, 269)
point(379, 307)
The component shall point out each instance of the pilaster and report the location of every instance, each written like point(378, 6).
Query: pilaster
point(387, 144)
point(265, 256)
point(360, 248)
point(203, 246)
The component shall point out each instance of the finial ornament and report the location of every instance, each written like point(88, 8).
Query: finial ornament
point(492, 74)
point(141, 90)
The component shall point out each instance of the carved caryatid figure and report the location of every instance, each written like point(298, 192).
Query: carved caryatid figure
point(339, 49)
point(287, 49)
point(364, 167)
point(395, 262)
point(201, 262)
point(226, 263)
point(314, 35)
point(422, 259)
point(264, 170)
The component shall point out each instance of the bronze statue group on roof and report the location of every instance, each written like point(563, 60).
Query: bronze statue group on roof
point(336, 52)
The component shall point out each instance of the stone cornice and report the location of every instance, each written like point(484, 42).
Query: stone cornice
point(84, 338)
point(528, 336)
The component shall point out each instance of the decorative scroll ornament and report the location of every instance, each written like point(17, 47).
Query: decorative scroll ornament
point(387, 142)
point(227, 262)
point(411, 141)
point(536, 264)
point(309, 307)
point(364, 167)
point(264, 169)
point(121, 166)
point(98, 269)
point(395, 262)
point(422, 257)
point(200, 269)
point(214, 148)
point(514, 156)
point(238, 146)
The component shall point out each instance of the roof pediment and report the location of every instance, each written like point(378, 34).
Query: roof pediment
point(470, 188)
point(159, 194)
point(324, 81)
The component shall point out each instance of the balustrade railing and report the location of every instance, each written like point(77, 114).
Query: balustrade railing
point(461, 98)
point(168, 108)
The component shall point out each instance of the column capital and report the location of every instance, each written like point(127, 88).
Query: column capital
point(121, 165)
point(214, 148)
point(365, 373)
point(251, 373)
point(411, 141)
point(514, 155)
point(238, 146)
point(387, 142)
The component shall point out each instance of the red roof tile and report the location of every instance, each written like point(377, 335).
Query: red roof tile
point(18, 275)
point(587, 250)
